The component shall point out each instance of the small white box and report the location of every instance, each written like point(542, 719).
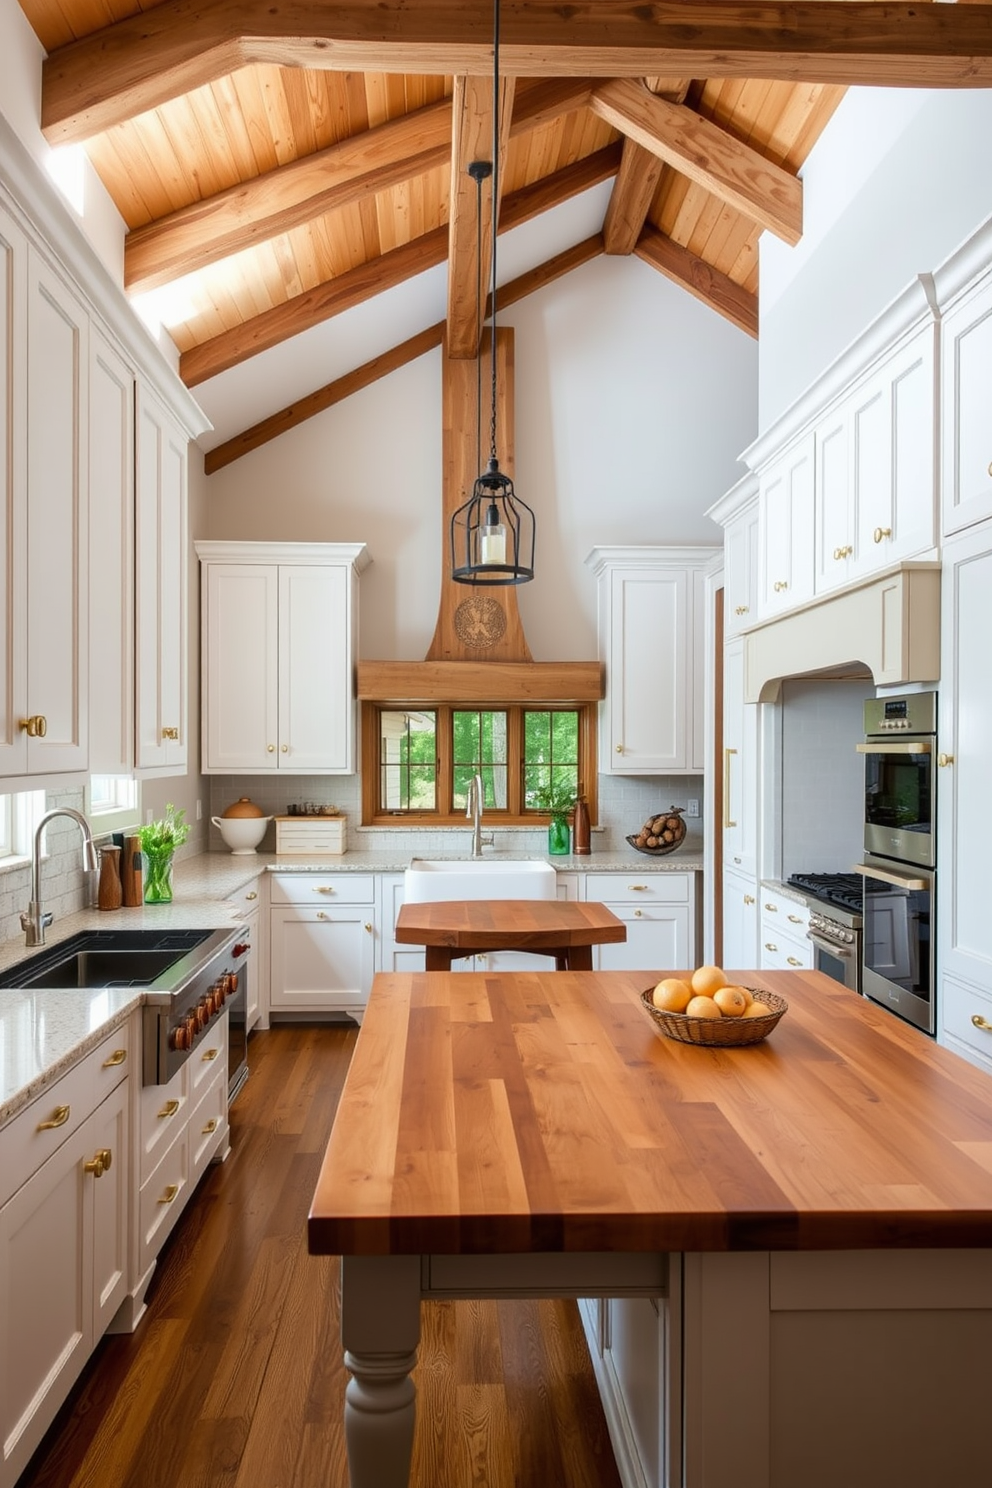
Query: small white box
point(310, 834)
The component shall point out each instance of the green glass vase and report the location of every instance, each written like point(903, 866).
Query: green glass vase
point(558, 834)
point(158, 876)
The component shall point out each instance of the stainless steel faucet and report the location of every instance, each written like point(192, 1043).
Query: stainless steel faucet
point(34, 919)
point(473, 808)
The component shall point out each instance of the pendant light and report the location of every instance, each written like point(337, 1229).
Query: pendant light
point(492, 534)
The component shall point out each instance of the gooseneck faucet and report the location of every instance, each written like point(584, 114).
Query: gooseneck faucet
point(473, 809)
point(34, 919)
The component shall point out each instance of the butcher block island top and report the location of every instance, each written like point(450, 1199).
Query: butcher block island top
point(535, 1112)
point(567, 930)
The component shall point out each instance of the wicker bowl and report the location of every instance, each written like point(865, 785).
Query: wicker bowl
point(655, 852)
point(724, 1033)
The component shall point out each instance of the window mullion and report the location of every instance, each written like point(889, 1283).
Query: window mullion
point(515, 760)
point(445, 761)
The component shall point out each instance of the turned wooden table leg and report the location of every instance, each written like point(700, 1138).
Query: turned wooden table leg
point(580, 958)
point(380, 1330)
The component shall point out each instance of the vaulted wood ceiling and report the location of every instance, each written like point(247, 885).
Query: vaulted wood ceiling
point(288, 159)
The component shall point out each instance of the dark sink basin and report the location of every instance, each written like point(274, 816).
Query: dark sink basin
point(108, 958)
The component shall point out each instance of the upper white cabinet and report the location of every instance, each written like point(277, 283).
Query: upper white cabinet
point(161, 589)
point(111, 557)
point(785, 527)
point(740, 558)
point(651, 624)
point(44, 333)
point(966, 374)
point(279, 628)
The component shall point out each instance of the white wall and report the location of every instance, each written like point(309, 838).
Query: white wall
point(823, 796)
point(632, 403)
point(897, 180)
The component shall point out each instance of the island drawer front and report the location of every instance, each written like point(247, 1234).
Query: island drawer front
point(322, 888)
point(208, 1127)
point(162, 1114)
point(162, 1200)
point(589, 1274)
point(962, 1005)
point(632, 887)
point(31, 1137)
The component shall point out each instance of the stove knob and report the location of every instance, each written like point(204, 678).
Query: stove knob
point(232, 983)
point(202, 1015)
point(190, 1029)
point(240, 948)
point(177, 1038)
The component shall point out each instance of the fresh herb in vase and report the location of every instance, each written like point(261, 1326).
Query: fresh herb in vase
point(558, 800)
point(159, 840)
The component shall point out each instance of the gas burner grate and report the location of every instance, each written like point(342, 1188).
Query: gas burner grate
point(843, 889)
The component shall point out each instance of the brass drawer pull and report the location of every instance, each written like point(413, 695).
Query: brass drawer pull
point(169, 1109)
point(795, 919)
point(210, 1054)
point(118, 1057)
point(638, 888)
point(943, 760)
point(321, 915)
point(780, 585)
point(749, 899)
point(728, 822)
point(99, 1163)
point(170, 733)
point(769, 946)
point(324, 889)
point(793, 961)
point(981, 1023)
point(252, 895)
point(211, 1126)
point(638, 913)
point(58, 1118)
point(772, 908)
point(170, 1194)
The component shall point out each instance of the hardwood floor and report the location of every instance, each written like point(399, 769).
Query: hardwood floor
point(234, 1377)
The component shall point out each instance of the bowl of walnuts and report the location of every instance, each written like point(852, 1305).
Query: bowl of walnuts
point(660, 834)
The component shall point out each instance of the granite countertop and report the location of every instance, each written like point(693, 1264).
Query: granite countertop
point(43, 1033)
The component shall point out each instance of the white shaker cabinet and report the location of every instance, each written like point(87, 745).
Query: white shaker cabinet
point(964, 927)
point(740, 556)
point(660, 913)
point(740, 922)
point(44, 331)
point(785, 518)
point(322, 939)
point(740, 766)
point(160, 590)
point(279, 647)
point(651, 614)
point(966, 375)
point(111, 558)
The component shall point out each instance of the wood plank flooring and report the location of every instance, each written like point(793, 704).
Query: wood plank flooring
point(234, 1377)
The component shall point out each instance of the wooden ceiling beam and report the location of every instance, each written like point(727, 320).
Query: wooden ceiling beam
point(707, 284)
point(159, 54)
point(258, 210)
point(359, 284)
point(707, 154)
point(380, 366)
point(470, 214)
point(631, 197)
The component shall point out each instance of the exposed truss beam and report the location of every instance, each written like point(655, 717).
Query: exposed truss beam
point(470, 234)
point(707, 284)
point(398, 356)
point(631, 197)
point(356, 285)
point(159, 54)
point(707, 154)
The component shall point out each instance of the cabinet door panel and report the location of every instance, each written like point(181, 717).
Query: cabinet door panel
point(740, 782)
point(740, 923)
point(241, 625)
point(634, 1355)
point(111, 1209)
point(649, 652)
point(658, 939)
point(314, 670)
point(966, 338)
point(57, 628)
point(833, 531)
point(786, 520)
point(13, 494)
point(160, 564)
point(321, 959)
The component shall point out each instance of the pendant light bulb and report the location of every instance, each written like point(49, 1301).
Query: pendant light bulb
point(493, 544)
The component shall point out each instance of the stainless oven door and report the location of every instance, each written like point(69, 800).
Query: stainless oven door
point(898, 941)
point(899, 799)
point(841, 962)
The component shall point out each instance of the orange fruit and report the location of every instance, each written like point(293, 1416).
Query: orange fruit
point(671, 995)
point(703, 1007)
point(707, 979)
point(748, 994)
point(731, 1001)
point(757, 1010)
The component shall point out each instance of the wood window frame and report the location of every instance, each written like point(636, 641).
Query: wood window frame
point(515, 815)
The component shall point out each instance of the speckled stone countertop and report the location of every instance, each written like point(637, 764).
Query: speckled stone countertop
point(43, 1033)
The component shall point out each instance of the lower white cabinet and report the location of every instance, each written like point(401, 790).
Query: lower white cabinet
point(322, 942)
point(247, 905)
point(628, 1345)
point(740, 922)
point(660, 913)
point(783, 943)
point(63, 1241)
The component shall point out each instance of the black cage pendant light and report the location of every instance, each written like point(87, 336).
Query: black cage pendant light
point(492, 534)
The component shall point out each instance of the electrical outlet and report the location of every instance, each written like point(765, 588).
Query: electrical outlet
point(148, 816)
point(692, 809)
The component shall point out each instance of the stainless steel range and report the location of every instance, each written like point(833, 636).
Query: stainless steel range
point(200, 983)
point(835, 903)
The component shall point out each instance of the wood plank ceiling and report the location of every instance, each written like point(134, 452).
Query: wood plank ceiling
point(287, 161)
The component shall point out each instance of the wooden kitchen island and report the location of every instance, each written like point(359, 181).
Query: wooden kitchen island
point(812, 1216)
point(567, 930)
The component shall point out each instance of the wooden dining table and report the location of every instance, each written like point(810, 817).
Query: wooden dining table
point(792, 1208)
point(453, 928)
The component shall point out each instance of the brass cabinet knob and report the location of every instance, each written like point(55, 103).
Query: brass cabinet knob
point(769, 946)
point(285, 749)
point(35, 726)
point(844, 552)
point(638, 913)
point(170, 1194)
point(170, 733)
point(169, 1109)
point(368, 927)
point(118, 1057)
point(981, 1023)
point(271, 748)
point(990, 467)
point(252, 895)
point(881, 532)
point(321, 915)
point(211, 1126)
point(741, 610)
point(211, 1054)
point(619, 749)
point(58, 1118)
point(99, 1163)
point(749, 899)
point(943, 760)
point(780, 585)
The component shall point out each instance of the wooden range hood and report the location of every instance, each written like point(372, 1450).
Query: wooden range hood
point(479, 653)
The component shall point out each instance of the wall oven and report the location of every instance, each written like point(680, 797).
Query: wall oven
point(899, 748)
point(898, 940)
